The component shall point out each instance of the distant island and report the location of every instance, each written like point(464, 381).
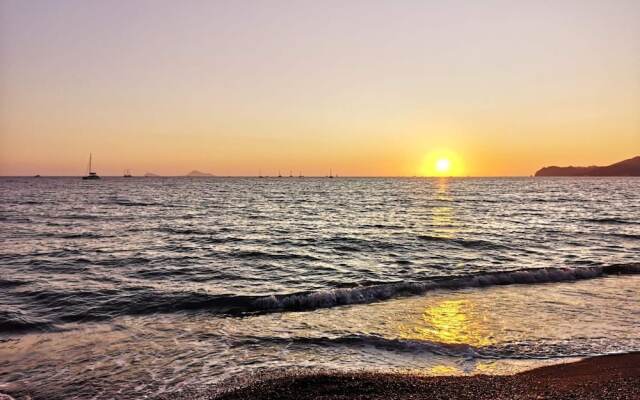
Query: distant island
point(630, 167)
point(198, 173)
point(151, 175)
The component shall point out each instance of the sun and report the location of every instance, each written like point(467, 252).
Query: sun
point(443, 165)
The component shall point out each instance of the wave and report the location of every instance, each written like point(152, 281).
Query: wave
point(14, 321)
point(80, 235)
point(30, 202)
point(80, 216)
point(606, 220)
point(367, 340)
point(71, 235)
point(183, 231)
point(622, 269)
point(627, 235)
point(536, 349)
point(130, 203)
point(88, 305)
point(468, 243)
point(368, 294)
point(263, 255)
point(354, 244)
point(11, 283)
point(202, 235)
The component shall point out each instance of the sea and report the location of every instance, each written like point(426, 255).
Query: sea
point(143, 287)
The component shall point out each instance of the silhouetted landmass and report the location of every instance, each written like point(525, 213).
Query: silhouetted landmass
point(198, 173)
point(630, 167)
point(151, 175)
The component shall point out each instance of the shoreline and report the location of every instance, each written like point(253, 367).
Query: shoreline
point(611, 377)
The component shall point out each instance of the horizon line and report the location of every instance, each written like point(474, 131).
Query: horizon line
point(281, 177)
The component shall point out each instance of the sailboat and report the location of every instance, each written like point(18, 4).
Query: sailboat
point(92, 175)
point(127, 173)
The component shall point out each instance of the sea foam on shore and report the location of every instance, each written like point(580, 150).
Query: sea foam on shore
point(614, 377)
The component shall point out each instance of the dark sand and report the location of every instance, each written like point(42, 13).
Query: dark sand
point(607, 377)
point(603, 378)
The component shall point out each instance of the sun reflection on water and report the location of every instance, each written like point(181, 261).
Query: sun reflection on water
point(442, 217)
point(487, 367)
point(451, 322)
point(443, 370)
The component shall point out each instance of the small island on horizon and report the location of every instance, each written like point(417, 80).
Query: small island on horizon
point(630, 167)
point(198, 173)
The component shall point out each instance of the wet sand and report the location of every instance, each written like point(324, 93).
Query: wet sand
point(607, 377)
point(615, 377)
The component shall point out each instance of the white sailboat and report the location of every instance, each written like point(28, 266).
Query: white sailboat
point(92, 175)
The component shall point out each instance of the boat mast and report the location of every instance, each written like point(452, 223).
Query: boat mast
point(89, 162)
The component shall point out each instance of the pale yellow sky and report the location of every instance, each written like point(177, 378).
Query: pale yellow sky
point(363, 88)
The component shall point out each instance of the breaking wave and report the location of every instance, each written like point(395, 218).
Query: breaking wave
point(367, 340)
point(369, 294)
point(538, 349)
point(53, 307)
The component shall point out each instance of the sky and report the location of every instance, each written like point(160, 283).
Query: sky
point(362, 88)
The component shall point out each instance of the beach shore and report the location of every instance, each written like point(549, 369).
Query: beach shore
point(606, 377)
point(613, 377)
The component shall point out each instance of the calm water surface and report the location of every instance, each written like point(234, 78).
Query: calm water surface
point(132, 287)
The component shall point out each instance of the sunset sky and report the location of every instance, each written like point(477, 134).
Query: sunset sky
point(362, 87)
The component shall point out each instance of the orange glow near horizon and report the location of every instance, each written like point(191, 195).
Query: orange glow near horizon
point(233, 89)
point(443, 163)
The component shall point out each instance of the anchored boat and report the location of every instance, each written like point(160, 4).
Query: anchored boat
point(92, 175)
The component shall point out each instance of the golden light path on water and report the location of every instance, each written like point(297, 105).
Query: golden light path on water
point(160, 352)
point(151, 319)
point(442, 215)
point(450, 322)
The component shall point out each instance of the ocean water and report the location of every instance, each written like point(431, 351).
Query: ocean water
point(129, 288)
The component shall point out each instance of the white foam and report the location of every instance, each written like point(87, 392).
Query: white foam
point(369, 294)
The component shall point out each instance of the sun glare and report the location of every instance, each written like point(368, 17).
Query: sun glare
point(443, 165)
